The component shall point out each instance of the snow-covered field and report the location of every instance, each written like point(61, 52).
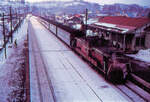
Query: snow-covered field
point(11, 68)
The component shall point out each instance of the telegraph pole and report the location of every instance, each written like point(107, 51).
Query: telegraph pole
point(4, 34)
point(11, 25)
point(16, 14)
point(86, 18)
point(3, 27)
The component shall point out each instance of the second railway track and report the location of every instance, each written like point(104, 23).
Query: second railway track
point(37, 55)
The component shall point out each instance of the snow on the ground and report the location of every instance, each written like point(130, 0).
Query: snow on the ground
point(19, 36)
point(12, 67)
point(22, 32)
point(142, 55)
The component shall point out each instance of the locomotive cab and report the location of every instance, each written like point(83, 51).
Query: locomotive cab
point(111, 63)
point(117, 72)
point(118, 69)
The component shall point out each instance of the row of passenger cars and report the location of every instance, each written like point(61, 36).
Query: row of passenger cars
point(115, 65)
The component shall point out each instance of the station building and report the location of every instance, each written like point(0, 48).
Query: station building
point(129, 34)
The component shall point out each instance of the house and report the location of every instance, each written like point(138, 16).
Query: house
point(74, 21)
point(77, 18)
point(130, 34)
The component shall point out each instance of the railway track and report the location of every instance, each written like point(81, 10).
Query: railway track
point(135, 93)
point(36, 56)
point(100, 100)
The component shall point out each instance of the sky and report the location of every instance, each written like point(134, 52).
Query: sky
point(140, 2)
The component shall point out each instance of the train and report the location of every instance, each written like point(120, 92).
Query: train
point(96, 50)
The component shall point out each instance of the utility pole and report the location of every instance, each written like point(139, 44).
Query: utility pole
point(16, 14)
point(4, 35)
point(86, 18)
point(3, 27)
point(11, 35)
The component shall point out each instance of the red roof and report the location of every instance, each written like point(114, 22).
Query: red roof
point(77, 15)
point(125, 21)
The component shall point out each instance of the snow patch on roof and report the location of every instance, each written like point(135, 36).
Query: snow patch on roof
point(106, 24)
point(113, 26)
point(90, 21)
